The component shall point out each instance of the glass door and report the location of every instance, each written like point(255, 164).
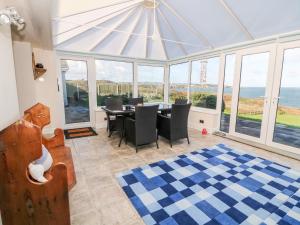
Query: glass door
point(252, 93)
point(75, 91)
point(285, 117)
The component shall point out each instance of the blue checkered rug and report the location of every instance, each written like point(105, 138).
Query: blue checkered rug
point(215, 185)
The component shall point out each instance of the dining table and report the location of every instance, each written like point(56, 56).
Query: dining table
point(129, 110)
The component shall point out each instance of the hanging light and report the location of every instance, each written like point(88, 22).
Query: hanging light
point(4, 19)
point(152, 4)
point(10, 15)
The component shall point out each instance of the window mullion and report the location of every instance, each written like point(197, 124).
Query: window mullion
point(189, 81)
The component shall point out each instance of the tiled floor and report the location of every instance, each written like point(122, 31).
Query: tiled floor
point(98, 199)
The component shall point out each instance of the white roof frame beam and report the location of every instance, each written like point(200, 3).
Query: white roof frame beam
point(117, 12)
point(172, 30)
point(146, 35)
point(160, 36)
point(98, 8)
point(236, 19)
point(93, 27)
point(111, 30)
point(129, 34)
point(188, 24)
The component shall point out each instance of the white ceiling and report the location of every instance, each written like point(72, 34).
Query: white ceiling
point(37, 15)
point(172, 29)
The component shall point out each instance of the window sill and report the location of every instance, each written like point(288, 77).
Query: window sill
point(193, 108)
point(99, 109)
point(203, 110)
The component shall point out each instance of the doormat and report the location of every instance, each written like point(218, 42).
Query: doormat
point(79, 132)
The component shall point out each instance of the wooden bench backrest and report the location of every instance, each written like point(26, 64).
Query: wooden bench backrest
point(38, 114)
point(22, 200)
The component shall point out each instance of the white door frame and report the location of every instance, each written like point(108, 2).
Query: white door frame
point(92, 100)
point(276, 91)
point(268, 91)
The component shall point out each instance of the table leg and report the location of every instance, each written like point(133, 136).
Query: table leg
point(122, 132)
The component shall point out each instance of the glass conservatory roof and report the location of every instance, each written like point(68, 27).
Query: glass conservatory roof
point(167, 29)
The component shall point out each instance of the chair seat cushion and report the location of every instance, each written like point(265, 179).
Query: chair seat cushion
point(38, 167)
point(36, 171)
point(46, 159)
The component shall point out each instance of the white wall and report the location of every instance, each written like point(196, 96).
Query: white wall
point(210, 119)
point(9, 106)
point(47, 92)
point(33, 91)
point(24, 75)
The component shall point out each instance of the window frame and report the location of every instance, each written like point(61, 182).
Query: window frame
point(164, 79)
point(188, 74)
point(198, 108)
point(118, 61)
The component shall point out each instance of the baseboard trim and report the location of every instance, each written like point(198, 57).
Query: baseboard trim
point(101, 125)
point(264, 147)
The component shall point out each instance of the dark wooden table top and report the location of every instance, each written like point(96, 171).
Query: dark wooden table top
point(127, 109)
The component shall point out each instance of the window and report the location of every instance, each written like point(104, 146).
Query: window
point(179, 79)
point(113, 79)
point(227, 92)
point(287, 125)
point(151, 83)
point(204, 83)
point(251, 102)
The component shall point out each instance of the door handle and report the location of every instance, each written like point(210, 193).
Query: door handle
point(264, 97)
point(275, 99)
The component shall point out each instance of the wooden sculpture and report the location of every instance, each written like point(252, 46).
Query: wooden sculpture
point(22, 200)
point(39, 115)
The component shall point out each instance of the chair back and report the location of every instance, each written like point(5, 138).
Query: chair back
point(179, 120)
point(181, 101)
point(135, 101)
point(114, 103)
point(145, 124)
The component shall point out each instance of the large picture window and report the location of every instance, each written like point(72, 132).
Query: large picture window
point(113, 78)
point(178, 81)
point(151, 83)
point(287, 124)
point(204, 83)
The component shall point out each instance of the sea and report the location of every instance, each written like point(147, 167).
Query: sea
point(289, 96)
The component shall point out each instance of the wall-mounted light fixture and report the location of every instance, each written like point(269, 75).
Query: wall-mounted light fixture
point(10, 15)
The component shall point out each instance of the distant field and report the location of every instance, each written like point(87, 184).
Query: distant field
point(252, 109)
point(286, 119)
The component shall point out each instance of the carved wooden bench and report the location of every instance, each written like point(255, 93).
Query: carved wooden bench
point(22, 200)
point(39, 115)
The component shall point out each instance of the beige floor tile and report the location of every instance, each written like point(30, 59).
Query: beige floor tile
point(99, 158)
point(91, 217)
point(80, 201)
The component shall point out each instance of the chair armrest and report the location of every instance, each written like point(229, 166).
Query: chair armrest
point(163, 122)
point(163, 116)
point(55, 141)
point(130, 120)
point(130, 130)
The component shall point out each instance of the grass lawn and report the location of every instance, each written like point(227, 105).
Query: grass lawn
point(285, 119)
